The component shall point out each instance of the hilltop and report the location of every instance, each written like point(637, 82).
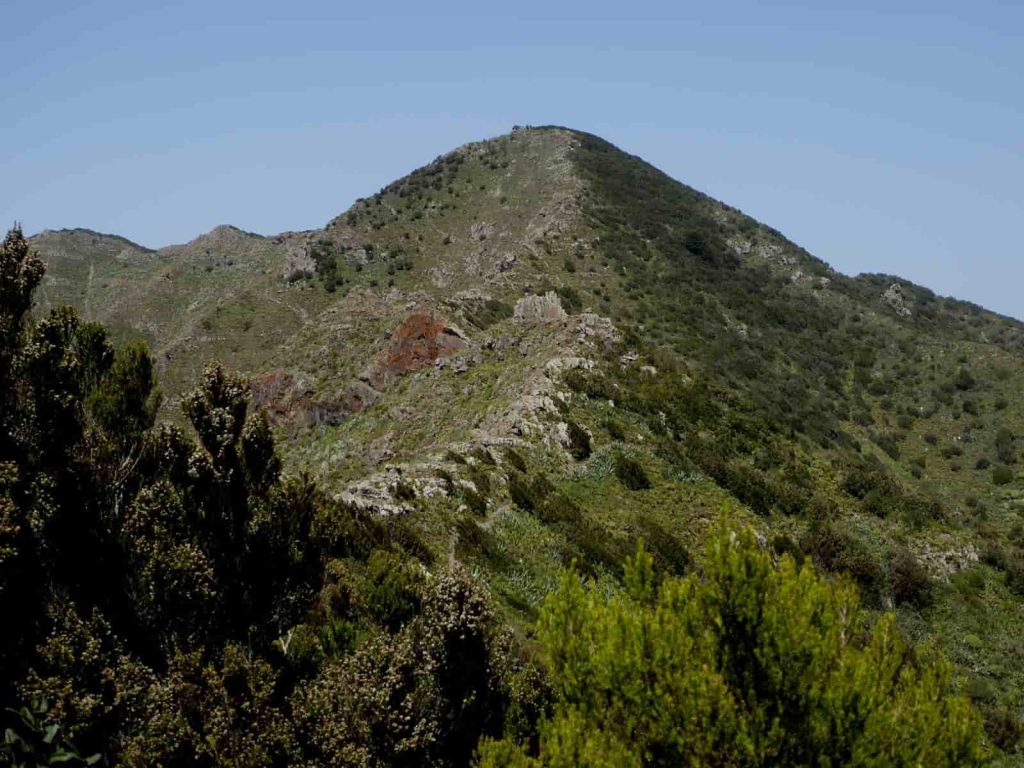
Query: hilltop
point(537, 348)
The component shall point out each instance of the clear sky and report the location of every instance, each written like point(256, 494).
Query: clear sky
point(882, 135)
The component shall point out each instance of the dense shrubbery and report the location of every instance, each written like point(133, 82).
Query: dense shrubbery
point(704, 670)
point(884, 496)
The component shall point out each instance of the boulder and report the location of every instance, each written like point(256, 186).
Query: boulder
point(539, 310)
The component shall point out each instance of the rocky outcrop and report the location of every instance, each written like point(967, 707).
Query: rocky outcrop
point(421, 340)
point(298, 264)
point(290, 400)
point(539, 310)
point(893, 296)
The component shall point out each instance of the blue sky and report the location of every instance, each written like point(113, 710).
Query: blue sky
point(881, 136)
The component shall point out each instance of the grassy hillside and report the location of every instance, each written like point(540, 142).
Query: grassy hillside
point(703, 360)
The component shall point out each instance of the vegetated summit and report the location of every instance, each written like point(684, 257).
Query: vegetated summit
point(538, 348)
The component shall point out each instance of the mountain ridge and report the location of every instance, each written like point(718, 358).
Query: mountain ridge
point(648, 353)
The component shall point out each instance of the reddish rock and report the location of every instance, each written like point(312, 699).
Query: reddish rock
point(419, 341)
point(278, 392)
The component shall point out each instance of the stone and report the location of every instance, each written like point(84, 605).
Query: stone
point(893, 296)
point(539, 310)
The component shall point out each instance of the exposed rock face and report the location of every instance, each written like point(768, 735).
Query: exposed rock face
point(419, 341)
point(297, 262)
point(287, 400)
point(281, 395)
point(481, 230)
point(893, 296)
point(539, 310)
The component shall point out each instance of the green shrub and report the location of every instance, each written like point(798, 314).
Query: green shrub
point(475, 501)
point(616, 429)
point(839, 552)
point(483, 456)
point(572, 303)
point(631, 473)
point(393, 589)
point(579, 441)
point(1005, 449)
point(1001, 474)
point(454, 457)
point(479, 477)
point(693, 672)
point(909, 583)
point(1003, 726)
point(527, 494)
point(513, 457)
point(488, 312)
point(964, 380)
point(590, 383)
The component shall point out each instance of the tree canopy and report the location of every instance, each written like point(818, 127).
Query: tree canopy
point(748, 662)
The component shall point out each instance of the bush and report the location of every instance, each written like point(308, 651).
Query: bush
point(964, 380)
point(529, 495)
point(1002, 474)
point(589, 383)
point(579, 441)
point(513, 457)
point(693, 672)
point(631, 473)
point(839, 552)
point(1015, 574)
point(951, 451)
point(1005, 449)
point(393, 589)
point(1003, 726)
point(572, 303)
point(483, 456)
point(909, 583)
point(615, 429)
point(479, 477)
point(475, 501)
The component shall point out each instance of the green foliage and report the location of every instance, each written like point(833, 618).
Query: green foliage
point(528, 494)
point(631, 473)
point(572, 303)
point(216, 710)
point(422, 697)
point(34, 742)
point(1002, 474)
point(515, 459)
point(1005, 449)
point(908, 581)
point(964, 380)
point(125, 401)
point(173, 596)
point(488, 312)
point(840, 552)
point(579, 440)
point(615, 429)
point(746, 664)
point(884, 496)
point(393, 589)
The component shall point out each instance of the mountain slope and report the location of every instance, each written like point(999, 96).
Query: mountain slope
point(506, 345)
